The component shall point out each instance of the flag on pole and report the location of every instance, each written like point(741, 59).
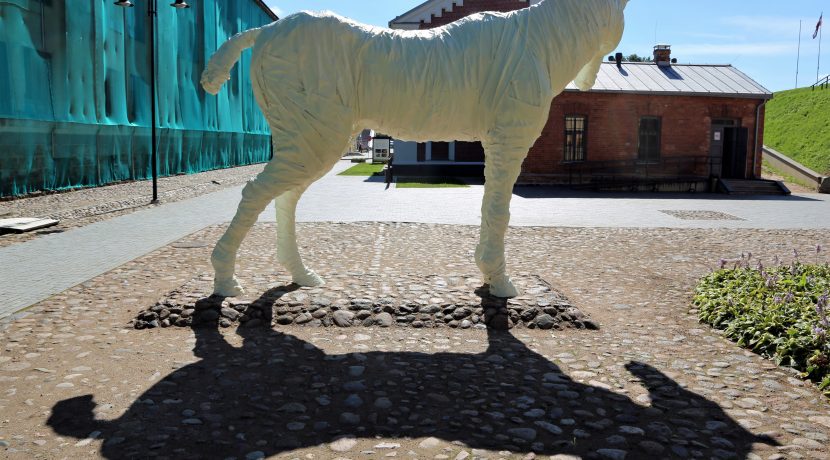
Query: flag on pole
point(818, 26)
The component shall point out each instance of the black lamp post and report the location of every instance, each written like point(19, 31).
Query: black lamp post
point(151, 14)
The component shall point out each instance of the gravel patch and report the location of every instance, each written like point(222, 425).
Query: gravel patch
point(700, 215)
point(406, 301)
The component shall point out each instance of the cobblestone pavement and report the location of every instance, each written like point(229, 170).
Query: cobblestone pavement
point(79, 382)
point(81, 207)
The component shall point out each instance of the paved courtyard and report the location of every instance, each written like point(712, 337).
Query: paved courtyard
point(79, 382)
point(48, 265)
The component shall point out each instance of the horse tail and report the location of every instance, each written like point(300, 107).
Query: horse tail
point(218, 69)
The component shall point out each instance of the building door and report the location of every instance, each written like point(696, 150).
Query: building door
point(440, 151)
point(716, 146)
point(734, 152)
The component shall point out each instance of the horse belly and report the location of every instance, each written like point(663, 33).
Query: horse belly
point(428, 109)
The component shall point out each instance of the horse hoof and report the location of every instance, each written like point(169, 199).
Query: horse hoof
point(309, 279)
point(501, 286)
point(227, 287)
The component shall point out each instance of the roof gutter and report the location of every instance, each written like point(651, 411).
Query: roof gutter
point(764, 96)
point(267, 10)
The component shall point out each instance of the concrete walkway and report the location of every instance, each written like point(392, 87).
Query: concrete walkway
point(35, 270)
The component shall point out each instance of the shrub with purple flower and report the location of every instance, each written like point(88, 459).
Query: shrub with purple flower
point(780, 311)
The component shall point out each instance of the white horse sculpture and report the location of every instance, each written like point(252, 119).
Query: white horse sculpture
point(491, 77)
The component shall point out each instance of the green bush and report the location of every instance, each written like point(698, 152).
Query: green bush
point(779, 312)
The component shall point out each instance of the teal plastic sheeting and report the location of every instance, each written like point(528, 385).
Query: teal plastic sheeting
point(75, 92)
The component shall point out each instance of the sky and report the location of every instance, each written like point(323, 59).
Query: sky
point(758, 37)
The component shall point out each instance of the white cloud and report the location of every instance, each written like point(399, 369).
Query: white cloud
point(764, 25)
point(271, 4)
point(736, 49)
point(714, 36)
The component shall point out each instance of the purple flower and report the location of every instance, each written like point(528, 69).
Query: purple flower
point(722, 263)
point(818, 249)
point(777, 298)
point(820, 332)
point(821, 303)
point(821, 309)
point(789, 298)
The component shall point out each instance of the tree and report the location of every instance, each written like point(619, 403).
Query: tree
point(635, 58)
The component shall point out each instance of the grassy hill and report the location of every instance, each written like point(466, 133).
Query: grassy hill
point(798, 125)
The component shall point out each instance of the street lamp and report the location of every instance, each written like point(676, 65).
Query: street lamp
point(151, 13)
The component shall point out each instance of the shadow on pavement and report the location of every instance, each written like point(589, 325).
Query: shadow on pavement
point(533, 192)
point(277, 393)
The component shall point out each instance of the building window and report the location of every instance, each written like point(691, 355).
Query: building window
point(649, 149)
point(575, 137)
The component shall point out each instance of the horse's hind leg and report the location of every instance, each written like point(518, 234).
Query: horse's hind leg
point(279, 176)
point(287, 252)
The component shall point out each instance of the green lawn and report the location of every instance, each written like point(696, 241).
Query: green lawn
point(364, 169)
point(429, 182)
point(798, 125)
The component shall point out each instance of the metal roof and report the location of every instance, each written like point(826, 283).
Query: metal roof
point(676, 80)
point(425, 11)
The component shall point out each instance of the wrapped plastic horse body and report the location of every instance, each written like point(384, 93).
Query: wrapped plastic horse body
point(490, 77)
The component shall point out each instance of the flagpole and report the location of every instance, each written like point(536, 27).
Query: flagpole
point(818, 66)
point(798, 59)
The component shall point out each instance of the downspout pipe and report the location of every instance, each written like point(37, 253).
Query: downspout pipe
point(757, 131)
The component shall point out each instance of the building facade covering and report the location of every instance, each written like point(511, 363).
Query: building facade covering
point(75, 92)
point(657, 123)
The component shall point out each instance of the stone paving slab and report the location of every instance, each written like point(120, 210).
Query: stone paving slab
point(349, 199)
point(79, 382)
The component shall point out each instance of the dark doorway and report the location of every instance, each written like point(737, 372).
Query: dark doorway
point(716, 145)
point(734, 152)
point(469, 152)
point(440, 151)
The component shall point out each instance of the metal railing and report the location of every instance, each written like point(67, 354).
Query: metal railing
point(632, 172)
point(822, 83)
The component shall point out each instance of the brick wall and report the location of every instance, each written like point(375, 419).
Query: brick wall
point(472, 7)
point(613, 119)
point(613, 126)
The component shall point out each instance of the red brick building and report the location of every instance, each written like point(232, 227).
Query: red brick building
point(655, 125)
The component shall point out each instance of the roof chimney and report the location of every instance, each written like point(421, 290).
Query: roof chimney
point(662, 55)
point(618, 58)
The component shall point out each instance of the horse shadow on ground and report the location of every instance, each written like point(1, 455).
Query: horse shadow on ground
point(277, 393)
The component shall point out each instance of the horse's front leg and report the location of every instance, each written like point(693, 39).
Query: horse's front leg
point(288, 254)
point(503, 163)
